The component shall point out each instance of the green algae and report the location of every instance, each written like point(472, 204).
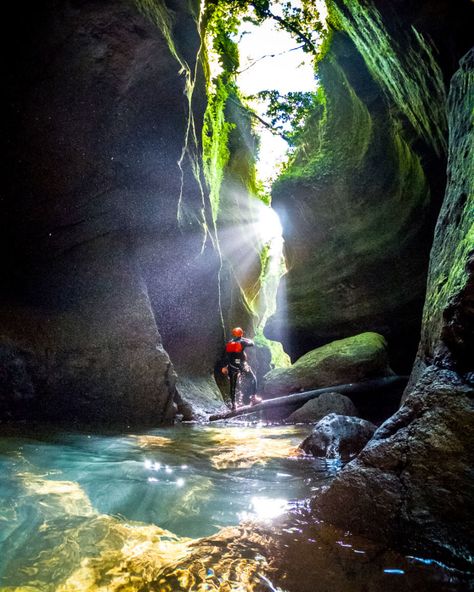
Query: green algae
point(454, 235)
point(279, 358)
point(216, 132)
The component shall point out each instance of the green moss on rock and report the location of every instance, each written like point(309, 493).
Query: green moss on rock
point(356, 204)
point(346, 360)
point(402, 61)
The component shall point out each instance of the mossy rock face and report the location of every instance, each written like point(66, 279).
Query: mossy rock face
point(348, 360)
point(357, 219)
point(414, 479)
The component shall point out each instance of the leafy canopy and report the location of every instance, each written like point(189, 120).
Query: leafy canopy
point(285, 113)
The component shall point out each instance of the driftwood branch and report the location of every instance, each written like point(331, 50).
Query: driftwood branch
point(298, 399)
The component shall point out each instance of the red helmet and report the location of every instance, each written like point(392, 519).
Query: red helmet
point(237, 332)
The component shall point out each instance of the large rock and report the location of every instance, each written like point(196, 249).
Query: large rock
point(348, 360)
point(327, 403)
point(414, 481)
point(109, 267)
point(338, 436)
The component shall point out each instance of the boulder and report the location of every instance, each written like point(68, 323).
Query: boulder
point(347, 360)
point(316, 409)
point(197, 398)
point(338, 436)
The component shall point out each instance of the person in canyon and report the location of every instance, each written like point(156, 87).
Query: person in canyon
point(235, 364)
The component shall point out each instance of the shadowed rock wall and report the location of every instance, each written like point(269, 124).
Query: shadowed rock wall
point(413, 481)
point(110, 272)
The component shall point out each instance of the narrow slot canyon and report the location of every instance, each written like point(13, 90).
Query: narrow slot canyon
point(237, 307)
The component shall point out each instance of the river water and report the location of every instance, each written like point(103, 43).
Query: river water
point(182, 508)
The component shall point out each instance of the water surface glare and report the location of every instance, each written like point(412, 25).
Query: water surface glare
point(178, 509)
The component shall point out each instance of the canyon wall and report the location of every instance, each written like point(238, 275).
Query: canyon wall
point(360, 199)
point(111, 269)
point(413, 481)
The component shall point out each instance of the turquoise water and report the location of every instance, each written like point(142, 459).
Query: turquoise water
point(81, 511)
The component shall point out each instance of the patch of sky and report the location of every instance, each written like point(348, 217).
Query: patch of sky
point(271, 59)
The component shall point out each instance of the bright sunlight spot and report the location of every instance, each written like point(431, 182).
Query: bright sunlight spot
point(269, 225)
point(265, 509)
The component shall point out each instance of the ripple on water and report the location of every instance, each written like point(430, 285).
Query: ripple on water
point(182, 509)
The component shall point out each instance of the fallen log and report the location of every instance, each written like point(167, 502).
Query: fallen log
point(298, 399)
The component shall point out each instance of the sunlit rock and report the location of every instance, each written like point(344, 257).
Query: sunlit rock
point(355, 218)
point(360, 199)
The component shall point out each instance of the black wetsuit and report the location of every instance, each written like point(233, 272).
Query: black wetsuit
point(236, 361)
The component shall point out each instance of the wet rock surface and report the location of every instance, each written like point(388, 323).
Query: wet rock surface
point(414, 481)
point(411, 482)
point(316, 409)
point(338, 436)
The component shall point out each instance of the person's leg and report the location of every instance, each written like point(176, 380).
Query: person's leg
point(250, 376)
point(239, 395)
point(233, 382)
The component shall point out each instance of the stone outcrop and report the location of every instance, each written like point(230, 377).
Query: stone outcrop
point(316, 409)
point(338, 436)
point(110, 269)
point(348, 360)
point(414, 479)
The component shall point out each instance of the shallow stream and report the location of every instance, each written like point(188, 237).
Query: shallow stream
point(182, 508)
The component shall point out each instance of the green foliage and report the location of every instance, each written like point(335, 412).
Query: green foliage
point(301, 21)
point(287, 113)
point(309, 141)
point(215, 137)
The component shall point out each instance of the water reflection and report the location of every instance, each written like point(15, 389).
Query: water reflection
point(264, 509)
point(184, 509)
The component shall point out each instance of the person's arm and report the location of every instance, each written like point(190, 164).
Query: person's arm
point(225, 368)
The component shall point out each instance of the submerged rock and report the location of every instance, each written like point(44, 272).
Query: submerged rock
point(348, 360)
point(338, 436)
point(316, 409)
